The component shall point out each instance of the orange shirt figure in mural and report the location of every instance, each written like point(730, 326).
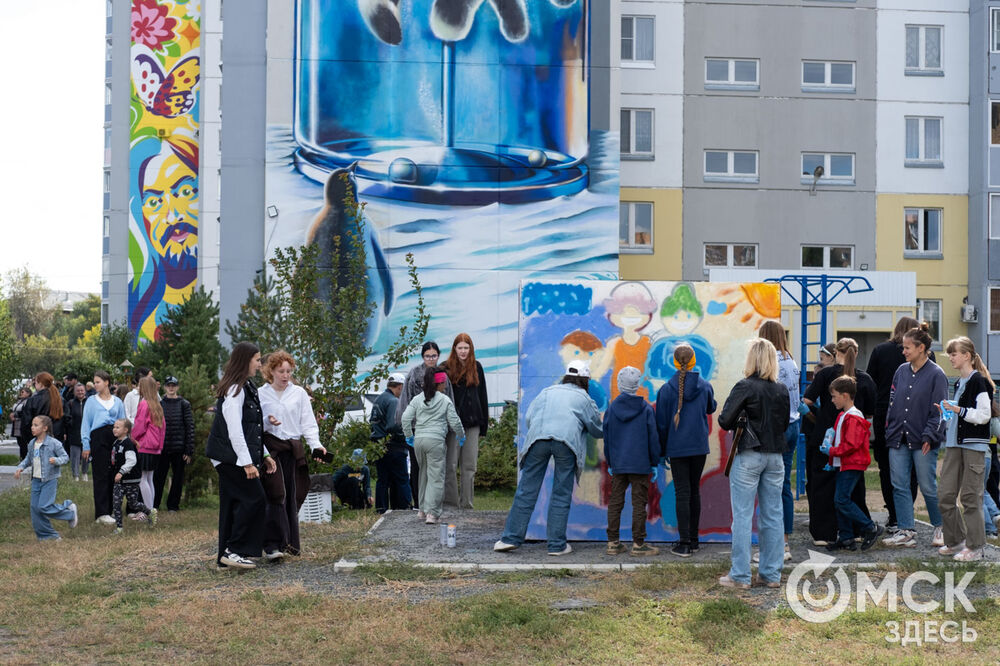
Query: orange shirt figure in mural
point(630, 307)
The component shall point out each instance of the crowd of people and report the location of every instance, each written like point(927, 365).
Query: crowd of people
point(430, 421)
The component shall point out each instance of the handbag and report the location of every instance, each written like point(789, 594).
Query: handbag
point(744, 439)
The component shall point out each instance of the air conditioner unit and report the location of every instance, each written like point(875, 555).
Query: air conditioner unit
point(969, 314)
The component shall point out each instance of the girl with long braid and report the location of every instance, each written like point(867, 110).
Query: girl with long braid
point(682, 408)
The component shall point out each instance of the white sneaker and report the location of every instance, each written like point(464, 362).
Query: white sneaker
point(273, 555)
point(952, 550)
point(503, 546)
point(106, 520)
point(565, 551)
point(901, 539)
point(938, 539)
point(238, 561)
point(756, 555)
point(85, 479)
point(969, 555)
point(996, 520)
point(75, 520)
point(421, 515)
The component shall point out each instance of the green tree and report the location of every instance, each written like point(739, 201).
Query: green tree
point(326, 310)
point(115, 344)
point(26, 294)
point(41, 354)
point(196, 387)
point(261, 320)
point(188, 330)
point(10, 363)
point(85, 315)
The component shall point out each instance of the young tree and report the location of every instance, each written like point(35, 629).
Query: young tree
point(10, 364)
point(262, 321)
point(26, 302)
point(189, 329)
point(196, 387)
point(115, 343)
point(324, 298)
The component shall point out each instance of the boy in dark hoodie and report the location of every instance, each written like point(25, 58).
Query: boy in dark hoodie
point(631, 450)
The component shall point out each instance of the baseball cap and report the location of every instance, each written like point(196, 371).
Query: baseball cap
point(171, 380)
point(578, 369)
point(397, 378)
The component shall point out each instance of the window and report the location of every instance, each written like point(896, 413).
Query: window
point(107, 225)
point(838, 168)
point(635, 226)
point(104, 314)
point(995, 216)
point(107, 93)
point(638, 39)
point(107, 181)
point(738, 166)
point(995, 122)
point(922, 229)
point(110, 6)
point(923, 50)
point(730, 255)
point(820, 76)
point(637, 133)
point(994, 310)
point(995, 32)
point(105, 288)
point(731, 73)
point(930, 311)
point(827, 256)
point(107, 50)
point(923, 142)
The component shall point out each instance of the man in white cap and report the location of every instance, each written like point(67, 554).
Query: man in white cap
point(392, 488)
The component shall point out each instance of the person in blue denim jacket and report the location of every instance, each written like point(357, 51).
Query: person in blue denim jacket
point(45, 456)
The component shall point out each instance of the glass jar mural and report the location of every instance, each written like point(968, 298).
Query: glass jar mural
point(458, 102)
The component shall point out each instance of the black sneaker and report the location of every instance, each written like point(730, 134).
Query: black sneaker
point(850, 544)
point(231, 559)
point(681, 550)
point(871, 537)
point(891, 529)
point(693, 547)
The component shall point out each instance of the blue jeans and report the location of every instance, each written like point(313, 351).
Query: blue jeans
point(901, 460)
point(533, 467)
point(849, 514)
point(787, 499)
point(44, 507)
point(990, 507)
point(757, 475)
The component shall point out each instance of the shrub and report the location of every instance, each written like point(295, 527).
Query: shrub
point(497, 465)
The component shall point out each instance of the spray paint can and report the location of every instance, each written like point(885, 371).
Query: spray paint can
point(444, 534)
point(452, 532)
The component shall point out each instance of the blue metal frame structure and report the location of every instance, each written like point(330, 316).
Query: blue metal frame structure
point(814, 291)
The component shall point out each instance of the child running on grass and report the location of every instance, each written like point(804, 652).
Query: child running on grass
point(849, 456)
point(45, 456)
point(126, 473)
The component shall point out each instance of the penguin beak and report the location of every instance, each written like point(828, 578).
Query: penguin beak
point(353, 166)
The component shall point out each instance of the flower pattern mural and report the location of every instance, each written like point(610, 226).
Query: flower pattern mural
point(163, 159)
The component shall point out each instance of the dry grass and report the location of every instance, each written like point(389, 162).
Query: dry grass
point(152, 595)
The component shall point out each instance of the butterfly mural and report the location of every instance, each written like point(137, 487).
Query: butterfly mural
point(169, 95)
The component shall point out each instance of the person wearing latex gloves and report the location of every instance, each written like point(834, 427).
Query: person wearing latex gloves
point(682, 408)
point(632, 451)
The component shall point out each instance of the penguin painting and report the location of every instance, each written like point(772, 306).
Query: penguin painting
point(335, 220)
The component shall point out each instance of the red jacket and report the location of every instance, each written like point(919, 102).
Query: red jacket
point(853, 447)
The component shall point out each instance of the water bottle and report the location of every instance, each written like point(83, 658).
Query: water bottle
point(829, 436)
point(444, 534)
point(947, 414)
point(451, 536)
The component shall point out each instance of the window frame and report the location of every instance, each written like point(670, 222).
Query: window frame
point(922, 161)
point(631, 247)
point(730, 254)
point(731, 83)
point(828, 86)
point(632, 154)
point(993, 119)
point(827, 178)
point(989, 215)
point(994, 29)
point(826, 257)
point(632, 62)
point(107, 181)
point(989, 322)
point(730, 176)
point(922, 316)
point(921, 253)
point(922, 69)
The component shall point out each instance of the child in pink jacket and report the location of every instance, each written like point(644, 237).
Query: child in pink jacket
point(148, 432)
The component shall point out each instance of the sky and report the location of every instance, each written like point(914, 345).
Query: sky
point(52, 146)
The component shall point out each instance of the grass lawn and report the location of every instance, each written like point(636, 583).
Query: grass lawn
point(152, 595)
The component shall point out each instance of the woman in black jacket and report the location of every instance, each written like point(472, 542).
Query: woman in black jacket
point(473, 406)
point(757, 472)
point(47, 402)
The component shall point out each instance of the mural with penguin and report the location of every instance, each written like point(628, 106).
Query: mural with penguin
point(479, 140)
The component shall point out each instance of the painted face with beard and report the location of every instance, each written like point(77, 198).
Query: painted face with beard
point(170, 209)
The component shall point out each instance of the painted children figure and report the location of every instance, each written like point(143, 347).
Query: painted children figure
point(583, 346)
point(680, 314)
point(849, 455)
point(630, 307)
point(126, 475)
point(45, 456)
point(632, 451)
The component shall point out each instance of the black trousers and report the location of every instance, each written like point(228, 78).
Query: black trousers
point(101, 441)
point(881, 454)
point(281, 521)
point(241, 512)
point(392, 488)
point(821, 486)
point(414, 478)
point(169, 462)
point(22, 445)
point(687, 491)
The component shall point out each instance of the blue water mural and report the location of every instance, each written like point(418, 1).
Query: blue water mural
point(638, 324)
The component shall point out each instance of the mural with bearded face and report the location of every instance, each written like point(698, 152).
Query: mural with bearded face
point(163, 188)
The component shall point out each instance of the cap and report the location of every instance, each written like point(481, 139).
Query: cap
point(397, 378)
point(358, 457)
point(827, 349)
point(578, 369)
point(628, 379)
point(170, 380)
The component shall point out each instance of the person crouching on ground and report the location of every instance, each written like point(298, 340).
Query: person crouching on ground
point(632, 451)
point(427, 422)
point(558, 421)
point(352, 482)
point(45, 455)
point(127, 475)
point(849, 456)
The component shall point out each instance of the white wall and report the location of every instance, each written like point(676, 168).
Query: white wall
point(892, 176)
point(211, 156)
point(894, 85)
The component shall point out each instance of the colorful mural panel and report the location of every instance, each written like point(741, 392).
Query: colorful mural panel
point(613, 324)
point(468, 129)
point(163, 159)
